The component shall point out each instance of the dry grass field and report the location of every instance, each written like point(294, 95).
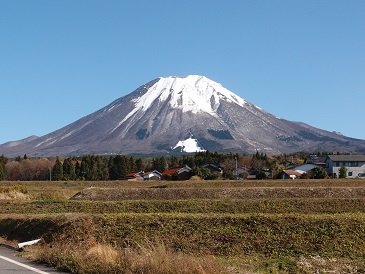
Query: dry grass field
point(301, 226)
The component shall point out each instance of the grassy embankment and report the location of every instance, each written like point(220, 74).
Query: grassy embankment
point(267, 226)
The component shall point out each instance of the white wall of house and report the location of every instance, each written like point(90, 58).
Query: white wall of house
point(354, 169)
point(352, 172)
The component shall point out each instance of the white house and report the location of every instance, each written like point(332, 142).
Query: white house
point(154, 175)
point(290, 174)
point(354, 164)
point(297, 172)
point(305, 168)
point(135, 177)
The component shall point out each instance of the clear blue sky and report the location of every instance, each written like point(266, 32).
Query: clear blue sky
point(302, 60)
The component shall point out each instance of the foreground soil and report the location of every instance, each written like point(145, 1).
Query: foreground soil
point(248, 227)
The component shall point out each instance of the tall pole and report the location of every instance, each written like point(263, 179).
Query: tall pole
point(50, 174)
point(236, 168)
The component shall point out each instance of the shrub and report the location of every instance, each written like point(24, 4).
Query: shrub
point(150, 258)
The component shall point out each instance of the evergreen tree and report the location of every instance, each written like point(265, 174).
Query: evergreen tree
point(162, 164)
point(124, 167)
point(77, 170)
point(103, 171)
point(57, 171)
point(69, 170)
point(342, 172)
point(189, 161)
point(173, 161)
point(260, 175)
point(132, 165)
point(319, 173)
point(93, 168)
point(90, 168)
point(3, 161)
point(118, 167)
point(159, 164)
point(139, 164)
point(155, 163)
point(110, 167)
point(2, 173)
point(102, 168)
point(85, 168)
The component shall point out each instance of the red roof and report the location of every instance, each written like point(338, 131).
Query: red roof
point(171, 171)
point(135, 174)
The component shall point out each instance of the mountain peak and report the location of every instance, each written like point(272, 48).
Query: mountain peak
point(193, 93)
point(191, 79)
point(158, 115)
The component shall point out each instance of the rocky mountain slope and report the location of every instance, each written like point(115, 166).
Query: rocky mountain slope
point(183, 114)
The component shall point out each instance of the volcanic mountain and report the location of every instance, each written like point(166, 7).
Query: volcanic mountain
point(184, 114)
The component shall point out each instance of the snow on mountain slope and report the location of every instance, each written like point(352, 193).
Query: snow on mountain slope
point(189, 145)
point(166, 112)
point(192, 93)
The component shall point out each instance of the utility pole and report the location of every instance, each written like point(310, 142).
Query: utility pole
point(50, 174)
point(236, 168)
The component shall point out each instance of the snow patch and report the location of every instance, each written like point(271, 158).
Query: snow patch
point(75, 130)
point(48, 141)
point(111, 108)
point(68, 134)
point(189, 145)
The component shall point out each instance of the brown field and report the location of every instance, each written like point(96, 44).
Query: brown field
point(301, 226)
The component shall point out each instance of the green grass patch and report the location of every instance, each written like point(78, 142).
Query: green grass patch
point(301, 226)
point(51, 204)
point(286, 235)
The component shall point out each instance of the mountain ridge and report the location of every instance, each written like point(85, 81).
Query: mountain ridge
point(162, 113)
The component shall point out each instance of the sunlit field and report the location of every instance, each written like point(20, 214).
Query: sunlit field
point(189, 227)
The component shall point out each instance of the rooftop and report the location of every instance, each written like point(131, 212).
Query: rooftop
point(347, 158)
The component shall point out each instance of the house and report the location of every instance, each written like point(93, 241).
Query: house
point(135, 176)
point(319, 161)
point(290, 174)
point(243, 173)
point(178, 173)
point(305, 168)
point(154, 175)
point(215, 171)
point(144, 176)
point(298, 171)
point(354, 164)
point(213, 168)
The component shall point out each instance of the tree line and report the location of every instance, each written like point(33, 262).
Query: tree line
point(116, 167)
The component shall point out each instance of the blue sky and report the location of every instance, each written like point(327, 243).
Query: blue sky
point(300, 60)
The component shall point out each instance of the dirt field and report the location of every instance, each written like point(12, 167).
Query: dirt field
point(248, 226)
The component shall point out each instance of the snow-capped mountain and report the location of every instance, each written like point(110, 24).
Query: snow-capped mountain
point(186, 114)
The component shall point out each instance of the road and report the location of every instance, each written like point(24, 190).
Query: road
point(10, 263)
